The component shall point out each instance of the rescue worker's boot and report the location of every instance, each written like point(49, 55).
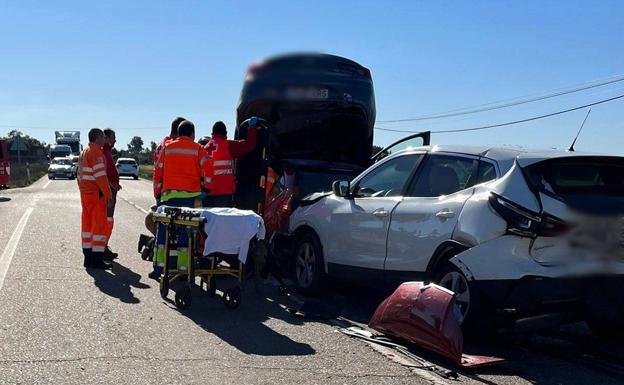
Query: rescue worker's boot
point(98, 262)
point(109, 255)
point(88, 258)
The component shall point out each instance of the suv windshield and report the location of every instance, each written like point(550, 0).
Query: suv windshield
point(582, 182)
point(574, 176)
point(126, 161)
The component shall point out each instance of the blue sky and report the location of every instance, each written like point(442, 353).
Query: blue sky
point(138, 64)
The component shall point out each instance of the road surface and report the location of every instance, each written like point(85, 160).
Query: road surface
point(62, 324)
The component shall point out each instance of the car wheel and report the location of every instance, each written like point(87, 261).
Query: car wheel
point(309, 266)
point(605, 312)
point(49, 177)
point(466, 298)
point(136, 177)
point(607, 328)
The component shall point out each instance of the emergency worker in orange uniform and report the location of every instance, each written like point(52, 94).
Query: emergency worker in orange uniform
point(95, 192)
point(173, 135)
point(222, 153)
point(180, 173)
point(145, 240)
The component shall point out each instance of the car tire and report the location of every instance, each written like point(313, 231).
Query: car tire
point(49, 177)
point(608, 329)
point(605, 311)
point(309, 267)
point(467, 304)
point(136, 177)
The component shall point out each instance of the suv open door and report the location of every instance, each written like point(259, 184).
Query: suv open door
point(415, 140)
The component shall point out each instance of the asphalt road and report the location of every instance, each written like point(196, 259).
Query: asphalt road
point(62, 324)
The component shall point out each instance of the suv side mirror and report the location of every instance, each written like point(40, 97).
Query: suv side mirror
point(341, 188)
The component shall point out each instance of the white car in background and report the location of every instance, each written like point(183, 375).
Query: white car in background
point(128, 167)
point(75, 159)
point(530, 232)
point(61, 168)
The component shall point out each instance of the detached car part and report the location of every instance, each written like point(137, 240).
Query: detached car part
point(424, 315)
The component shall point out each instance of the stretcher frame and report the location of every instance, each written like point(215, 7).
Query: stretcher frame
point(183, 298)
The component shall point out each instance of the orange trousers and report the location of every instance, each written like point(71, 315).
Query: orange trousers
point(94, 224)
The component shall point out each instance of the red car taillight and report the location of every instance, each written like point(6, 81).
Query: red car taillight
point(366, 73)
point(253, 70)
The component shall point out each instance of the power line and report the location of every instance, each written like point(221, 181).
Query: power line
point(77, 128)
point(507, 102)
point(510, 123)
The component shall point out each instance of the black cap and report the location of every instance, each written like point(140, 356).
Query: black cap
point(186, 128)
point(219, 128)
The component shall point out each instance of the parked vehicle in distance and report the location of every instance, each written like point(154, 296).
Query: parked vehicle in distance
point(128, 167)
point(59, 151)
point(5, 166)
point(70, 138)
point(530, 232)
point(61, 168)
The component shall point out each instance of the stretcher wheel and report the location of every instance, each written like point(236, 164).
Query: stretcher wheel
point(164, 287)
point(212, 287)
point(232, 298)
point(184, 298)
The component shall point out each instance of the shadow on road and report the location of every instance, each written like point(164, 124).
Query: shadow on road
point(4, 199)
point(118, 282)
point(253, 327)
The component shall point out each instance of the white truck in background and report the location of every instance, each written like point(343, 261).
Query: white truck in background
point(70, 138)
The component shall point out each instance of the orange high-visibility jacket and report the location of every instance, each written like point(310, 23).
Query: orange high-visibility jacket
point(91, 173)
point(181, 166)
point(221, 162)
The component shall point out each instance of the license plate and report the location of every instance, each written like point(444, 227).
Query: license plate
point(307, 93)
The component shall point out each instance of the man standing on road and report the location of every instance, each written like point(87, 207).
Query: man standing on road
point(222, 153)
point(179, 174)
point(113, 180)
point(95, 192)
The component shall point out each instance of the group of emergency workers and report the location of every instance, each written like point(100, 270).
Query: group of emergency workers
point(186, 174)
point(190, 174)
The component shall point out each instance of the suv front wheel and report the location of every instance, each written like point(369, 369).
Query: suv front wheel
point(309, 265)
point(466, 298)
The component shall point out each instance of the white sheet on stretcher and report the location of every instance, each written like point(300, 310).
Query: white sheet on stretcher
point(228, 230)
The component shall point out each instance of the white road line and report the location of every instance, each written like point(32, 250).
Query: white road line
point(141, 209)
point(46, 185)
point(9, 250)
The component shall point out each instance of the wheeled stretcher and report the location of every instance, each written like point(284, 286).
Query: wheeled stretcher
point(191, 256)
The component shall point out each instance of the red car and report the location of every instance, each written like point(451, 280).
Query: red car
point(299, 179)
point(5, 167)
